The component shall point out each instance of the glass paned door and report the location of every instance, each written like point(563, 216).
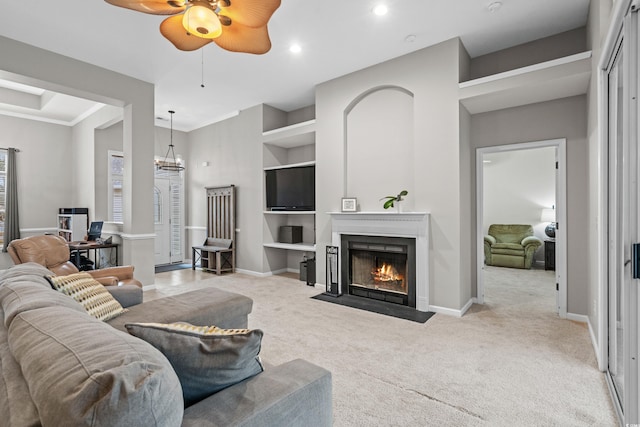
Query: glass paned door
point(168, 213)
point(616, 225)
point(623, 219)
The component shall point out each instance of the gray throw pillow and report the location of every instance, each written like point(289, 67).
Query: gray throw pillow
point(206, 359)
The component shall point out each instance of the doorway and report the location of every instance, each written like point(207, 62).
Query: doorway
point(483, 156)
point(168, 213)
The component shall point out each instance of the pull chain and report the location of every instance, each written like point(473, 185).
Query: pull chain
point(202, 68)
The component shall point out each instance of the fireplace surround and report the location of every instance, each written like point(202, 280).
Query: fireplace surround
point(406, 225)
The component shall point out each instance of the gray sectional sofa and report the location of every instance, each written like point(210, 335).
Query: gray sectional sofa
point(61, 367)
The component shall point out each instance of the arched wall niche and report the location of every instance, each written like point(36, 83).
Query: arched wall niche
point(379, 146)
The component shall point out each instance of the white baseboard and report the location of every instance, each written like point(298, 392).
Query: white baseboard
point(452, 311)
point(578, 317)
point(268, 273)
point(596, 346)
point(253, 273)
point(466, 307)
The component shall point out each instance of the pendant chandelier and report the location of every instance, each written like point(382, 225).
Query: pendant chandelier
point(170, 163)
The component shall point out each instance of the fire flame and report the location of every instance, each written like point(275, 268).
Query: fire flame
point(386, 273)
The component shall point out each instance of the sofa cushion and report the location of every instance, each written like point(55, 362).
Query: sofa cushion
point(16, 406)
point(50, 251)
point(510, 233)
point(508, 249)
point(209, 306)
point(207, 359)
point(81, 371)
point(17, 296)
point(89, 293)
point(29, 271)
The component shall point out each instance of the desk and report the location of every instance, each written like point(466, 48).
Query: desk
point(82, 246)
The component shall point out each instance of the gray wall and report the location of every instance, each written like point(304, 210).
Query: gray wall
point(233, 149)
point(84, 145)
point(44, 172)
point(564, 118)
point(431, 76)
point(535, 52)
point(48, 70)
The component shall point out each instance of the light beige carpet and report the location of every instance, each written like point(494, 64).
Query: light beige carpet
point(510, 362)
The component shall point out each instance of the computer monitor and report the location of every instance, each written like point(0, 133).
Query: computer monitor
point(95, 230)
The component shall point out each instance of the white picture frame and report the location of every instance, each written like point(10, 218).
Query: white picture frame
point(349, 204)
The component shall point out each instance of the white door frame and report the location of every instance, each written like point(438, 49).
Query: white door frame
point(624, 23)
point(561, 215)
point(182, 256)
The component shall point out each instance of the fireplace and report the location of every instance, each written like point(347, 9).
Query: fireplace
point(403, 234)
point(379, 268)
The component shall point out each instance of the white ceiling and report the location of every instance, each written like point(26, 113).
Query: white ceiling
point(336, 39)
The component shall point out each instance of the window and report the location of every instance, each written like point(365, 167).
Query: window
point(116, 177)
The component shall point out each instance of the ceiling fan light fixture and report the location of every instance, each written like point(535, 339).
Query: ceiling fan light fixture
point(202, 21)
point(233, 25)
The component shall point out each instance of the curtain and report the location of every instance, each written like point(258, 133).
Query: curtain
point(11, 223)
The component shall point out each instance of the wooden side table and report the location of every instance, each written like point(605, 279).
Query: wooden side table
point(549, 254)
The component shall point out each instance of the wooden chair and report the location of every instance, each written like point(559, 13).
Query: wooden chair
point(217, 253)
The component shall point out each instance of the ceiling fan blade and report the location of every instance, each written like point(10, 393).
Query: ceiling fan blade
point(172, 29)
point(251, 13)
point(241, 38)
point(154, 7)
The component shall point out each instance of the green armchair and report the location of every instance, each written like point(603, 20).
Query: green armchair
point(510, 245)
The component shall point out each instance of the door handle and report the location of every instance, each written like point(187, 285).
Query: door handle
point(636, 261)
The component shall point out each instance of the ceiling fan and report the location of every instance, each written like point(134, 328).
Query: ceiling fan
point(234, 25)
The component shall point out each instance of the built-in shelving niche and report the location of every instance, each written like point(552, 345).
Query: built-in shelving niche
point(284, 147)
point(546, 81)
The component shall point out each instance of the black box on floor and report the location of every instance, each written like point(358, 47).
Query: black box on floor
point(308, 271)
point(290, 234)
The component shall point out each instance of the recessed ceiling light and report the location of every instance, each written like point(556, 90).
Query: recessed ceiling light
point(493, 7)
point(380, 10)
point(410, 38)
point(295, 48)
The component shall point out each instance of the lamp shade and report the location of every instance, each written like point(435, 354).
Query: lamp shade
point(548, 215)
point(202, 21)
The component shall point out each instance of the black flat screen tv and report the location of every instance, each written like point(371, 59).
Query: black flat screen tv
point(291, 189)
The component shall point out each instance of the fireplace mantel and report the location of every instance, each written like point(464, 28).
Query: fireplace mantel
point(391, 224)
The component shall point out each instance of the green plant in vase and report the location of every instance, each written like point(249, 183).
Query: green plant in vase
point(390, 200)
